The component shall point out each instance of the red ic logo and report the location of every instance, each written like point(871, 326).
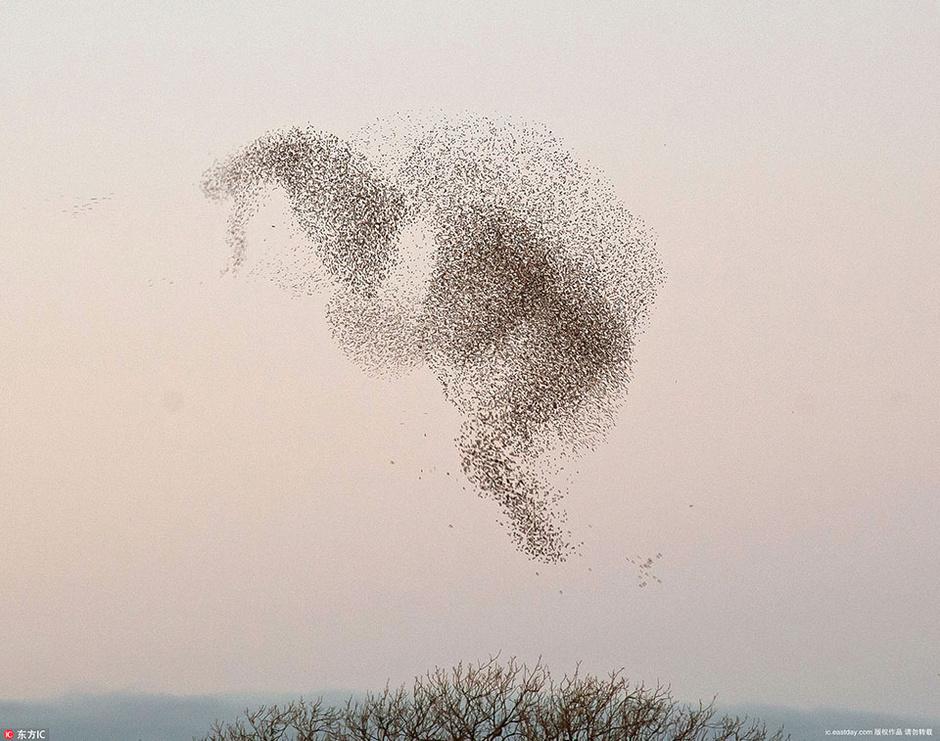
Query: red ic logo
point(8, 733)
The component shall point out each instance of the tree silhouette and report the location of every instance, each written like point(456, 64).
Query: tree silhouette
point(493, 700)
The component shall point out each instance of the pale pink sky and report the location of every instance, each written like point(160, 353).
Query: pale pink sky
point(195, 488)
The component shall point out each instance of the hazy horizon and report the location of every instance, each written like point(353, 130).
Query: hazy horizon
point(122, 716)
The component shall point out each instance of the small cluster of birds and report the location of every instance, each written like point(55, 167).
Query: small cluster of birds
point(82, 207)
point(644, 566)
point(537, 283)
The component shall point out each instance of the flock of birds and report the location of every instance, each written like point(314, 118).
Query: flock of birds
point(644, 567)
point(483, 250)
point(80, 208)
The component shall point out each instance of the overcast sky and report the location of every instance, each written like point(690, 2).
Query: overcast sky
point(195, 487)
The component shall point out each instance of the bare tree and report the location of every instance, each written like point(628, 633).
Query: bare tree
point(493, 700)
